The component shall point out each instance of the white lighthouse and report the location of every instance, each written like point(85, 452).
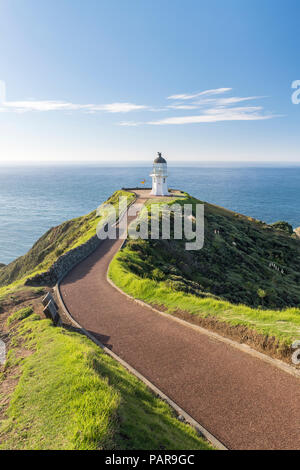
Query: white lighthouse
point(159, 177)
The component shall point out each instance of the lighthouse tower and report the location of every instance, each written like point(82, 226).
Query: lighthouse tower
point(159, 177)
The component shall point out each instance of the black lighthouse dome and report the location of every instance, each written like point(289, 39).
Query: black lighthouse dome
point(159, 159)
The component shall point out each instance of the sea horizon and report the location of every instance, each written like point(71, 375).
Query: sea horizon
point(120, 163)
point(36, 197)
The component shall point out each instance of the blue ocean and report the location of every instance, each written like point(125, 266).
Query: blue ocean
point(33, 199)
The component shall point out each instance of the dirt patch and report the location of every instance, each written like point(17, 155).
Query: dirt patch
point(19, 297)
point(7, 386)
point(269, 345)
point(9, 376)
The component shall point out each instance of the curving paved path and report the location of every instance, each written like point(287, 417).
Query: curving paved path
point(245, 402)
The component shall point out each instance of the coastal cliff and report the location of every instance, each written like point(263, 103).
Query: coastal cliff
point(244, 284)
point(247, 272)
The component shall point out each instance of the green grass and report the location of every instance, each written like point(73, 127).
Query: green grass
point(70, 395)
point(54, 243)
point(284, 324)
point(19, 315)
point(223, 280)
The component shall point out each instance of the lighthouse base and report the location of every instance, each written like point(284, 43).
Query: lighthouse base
point(159, 186)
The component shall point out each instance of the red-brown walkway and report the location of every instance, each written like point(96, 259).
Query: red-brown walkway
point(245, 402)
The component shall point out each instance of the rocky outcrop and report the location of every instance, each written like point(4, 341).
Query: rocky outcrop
point(297, 231)
point(64, 264)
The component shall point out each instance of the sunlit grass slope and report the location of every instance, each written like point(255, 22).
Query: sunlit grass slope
point(230, 278)
point(70, 395)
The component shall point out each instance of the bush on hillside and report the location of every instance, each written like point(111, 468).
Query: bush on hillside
point(235, 264)
point(285, 226)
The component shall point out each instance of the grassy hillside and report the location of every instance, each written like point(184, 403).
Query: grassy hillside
point(65, 393)
point(246, 272)
point(57, 241)
point(68, 394)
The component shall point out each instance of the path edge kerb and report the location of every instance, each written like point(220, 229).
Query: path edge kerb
point(240, 346)
point(188, 418)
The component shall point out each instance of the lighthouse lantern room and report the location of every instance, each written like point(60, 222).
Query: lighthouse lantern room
point(159, 177)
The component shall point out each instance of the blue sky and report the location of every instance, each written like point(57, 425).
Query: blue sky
point(119, 80)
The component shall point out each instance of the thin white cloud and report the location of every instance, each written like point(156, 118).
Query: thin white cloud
point(225, 101)
point(213, 108)
point(182, 106)
point(31, 105)
point(118, 107)
point(185, 96)
point(212, 102)
point(247, 113)
point(54, 105)
point(130, 123)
